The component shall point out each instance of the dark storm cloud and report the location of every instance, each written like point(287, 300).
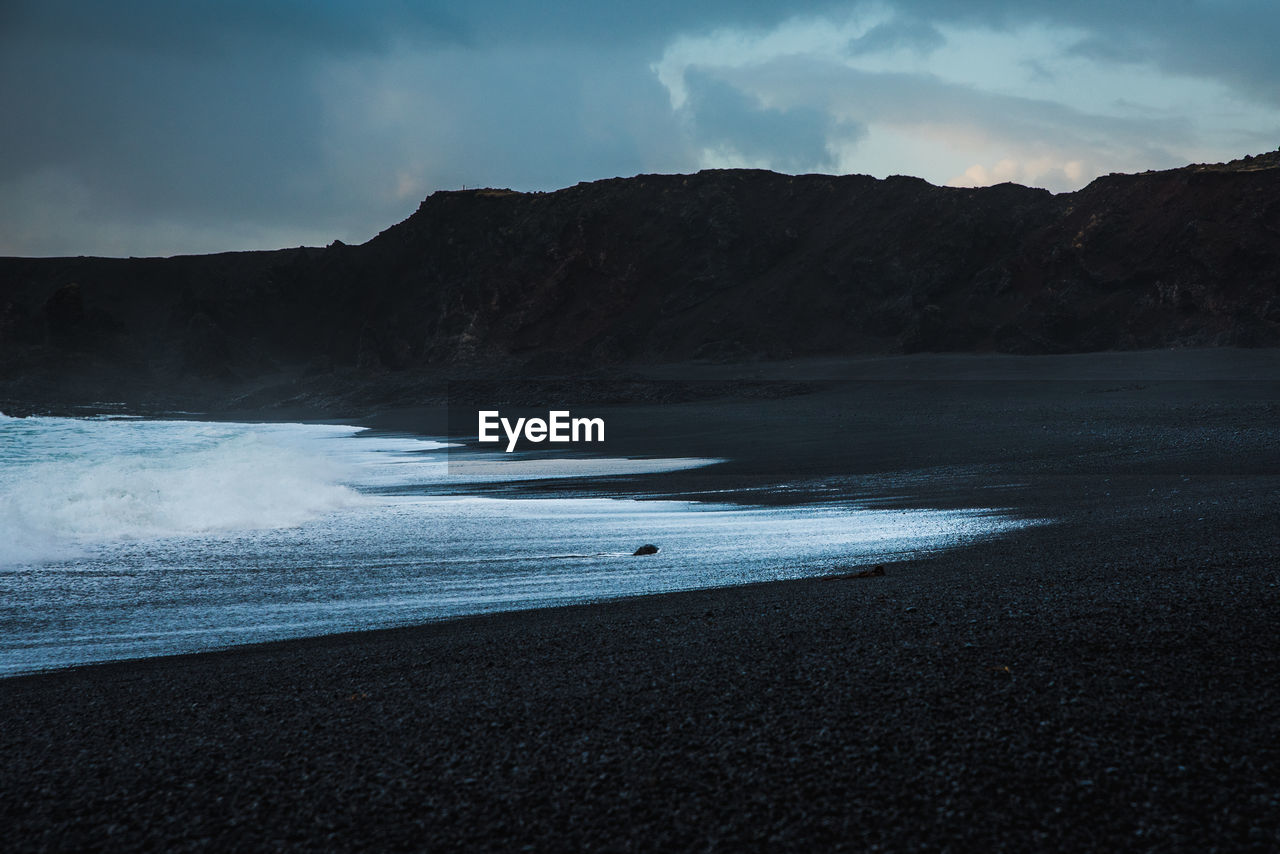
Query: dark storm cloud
point(209, 113)
point(198, 111)
point(145, 119)
point(202, 27)
point(532, 120)
point(613, 22)
point(792, 140)
point(148, 128)
point(347, 25)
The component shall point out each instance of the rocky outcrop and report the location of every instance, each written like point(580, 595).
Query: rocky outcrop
point(721, 265)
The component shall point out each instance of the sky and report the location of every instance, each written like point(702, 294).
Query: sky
point(155, 127)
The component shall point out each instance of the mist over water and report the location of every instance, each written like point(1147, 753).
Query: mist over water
point(127, 538)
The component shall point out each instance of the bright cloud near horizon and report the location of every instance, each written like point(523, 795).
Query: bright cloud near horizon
point(152, 128)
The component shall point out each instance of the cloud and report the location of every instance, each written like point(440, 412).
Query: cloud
point(897, 34)
point(153, 128)
point(142, 126)
point(966, 103)
point(735, 129)
point(220, 28)
point(145, 133)
point(533, 118)
point(925, 99)
point(1041, 171)
point(1231, 41)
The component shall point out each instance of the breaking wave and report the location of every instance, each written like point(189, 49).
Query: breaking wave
point(68, 484)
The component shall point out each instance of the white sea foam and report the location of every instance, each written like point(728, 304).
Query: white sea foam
point(124, 538)
point(68, 484)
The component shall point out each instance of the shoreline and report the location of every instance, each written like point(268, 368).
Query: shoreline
point(1102, 683)
point(695, 570)
point(890, 693)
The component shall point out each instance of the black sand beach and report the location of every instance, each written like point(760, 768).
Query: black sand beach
point(1106, 682)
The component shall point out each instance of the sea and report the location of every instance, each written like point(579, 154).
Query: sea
point(125, 537)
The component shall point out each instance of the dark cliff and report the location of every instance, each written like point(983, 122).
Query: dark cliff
point(720, 265)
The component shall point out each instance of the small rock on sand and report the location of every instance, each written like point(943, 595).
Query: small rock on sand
point(873, 572)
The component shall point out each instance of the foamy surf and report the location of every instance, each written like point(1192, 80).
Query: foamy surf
point(70, 484)
point(122, 539)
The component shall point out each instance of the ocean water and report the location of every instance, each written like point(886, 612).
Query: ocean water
point(125, 538)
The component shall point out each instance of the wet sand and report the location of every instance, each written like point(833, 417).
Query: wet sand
point(1106, 682)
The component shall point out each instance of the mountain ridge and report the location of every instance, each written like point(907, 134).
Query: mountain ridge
point(722, 265)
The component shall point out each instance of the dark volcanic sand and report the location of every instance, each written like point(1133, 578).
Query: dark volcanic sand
point(1109, 682)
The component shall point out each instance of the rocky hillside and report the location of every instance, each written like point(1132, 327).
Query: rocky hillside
point(720, 265)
